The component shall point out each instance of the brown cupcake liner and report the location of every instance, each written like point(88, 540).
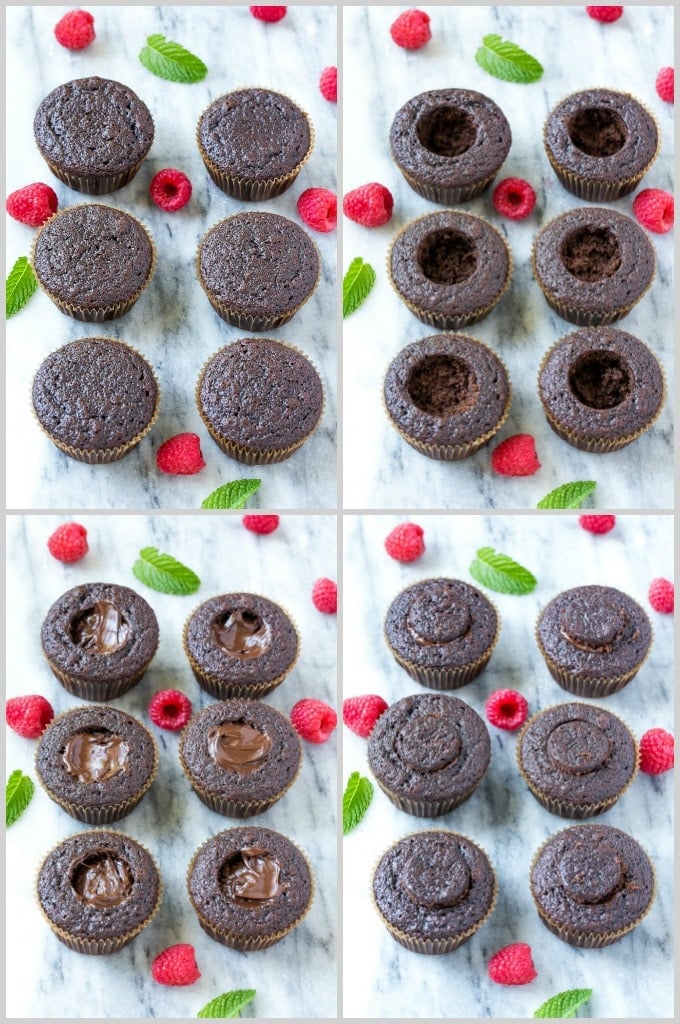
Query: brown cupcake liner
point(427, 808)
point(102, 690)
point(95, 184)
point(445, 194)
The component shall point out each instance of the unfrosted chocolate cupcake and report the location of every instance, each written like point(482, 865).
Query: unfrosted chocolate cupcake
point(450, 143)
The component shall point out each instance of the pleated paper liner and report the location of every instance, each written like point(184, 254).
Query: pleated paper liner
point(427, 808)
point(99, 690)
point(448, 195)
point(95, 184)
point(233, 808)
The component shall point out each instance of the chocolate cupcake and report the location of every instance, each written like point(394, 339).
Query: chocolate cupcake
point(96, 762)
point(594, 639)
point(240, 756)
point(260, 400)
point(97, 890)
point(447, 395)
point(593, 265)
point(434, 890)
point(592, 884)
point(600, 388)
point(95, 399)
point(254, 143)
point(576, 759)
point(240, 645)
point(99, 639)
point(442, 632)
point(600, 143)
point(449, 268)
point(249, 887)
point(257, 269)
point(93, 261)
point(93, 134)
point(428, 753)
point(450, 143)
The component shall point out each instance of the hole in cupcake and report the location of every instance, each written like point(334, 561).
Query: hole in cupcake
point(447, 257)
point(102, 628)
point(591, 254)
point(447, 131)
point(238, 746)
point(250, 877)
point(601, 380)
point(442, 385)
point(102, 879)
point(241, 633)
point(95, 756)
point(597, 131)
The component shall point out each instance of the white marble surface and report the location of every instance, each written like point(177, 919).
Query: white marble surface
point(632, 978)
point(172, 324)
point(381, 470)
point(294, 978)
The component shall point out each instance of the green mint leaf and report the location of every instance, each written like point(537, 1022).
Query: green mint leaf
point(164, 573)
point(231, 495)
point(229, 1004)
point(568, 495)
point(505, 60)
point(171, 61)
point(355, 801)
point(356, 284)
point(564, 1004)
point(19, 286)
point(18, 793)
point(498, 572)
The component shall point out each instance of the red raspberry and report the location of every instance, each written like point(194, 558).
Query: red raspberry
point(361, 713)
point(665, 85)
point(318, 208)
point(181, 455)
point(370, 205)
point(405, 542)
point(506, 709)
point(313, 719)
point(662, 596)
point(28, 715)
point(411, 30)
point(325, 596)
point(268, 13)
point(328, 84)
point(75, 31)
point(32, 204)
point(68, 543)
point(597, 524)
point(516, 456)
point(514, 198)
point(176, 965)
point(260, 524)
point(656, 752)
point(170, 189)
point(655, 210)
point(605, 13)
point(169, 709)
point(512, 965)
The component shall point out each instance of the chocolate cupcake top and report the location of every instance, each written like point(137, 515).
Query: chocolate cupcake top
point(429, 746)
point(593, 878)
point(99, 632)
point(93, 126)
point(434, 885)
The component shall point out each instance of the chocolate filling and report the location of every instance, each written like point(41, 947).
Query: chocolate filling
point(95, 756)
point(101, 629)
point(251, 877)
point(242, 633)
point(447, 257)
point(591, 254)
point(446, 131)
point(102, 879)
point(238, 746)
point(597, 131)
point(601, 380)
point(443, 386)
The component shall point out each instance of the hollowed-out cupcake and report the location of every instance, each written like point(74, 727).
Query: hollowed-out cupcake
point(240, 756)
point(600, 388)
point(593, 639)
point(99, 639)
point(95, 399)
point(254, 142)
point(576, 759)
point(449, 268)
point(96, 762)
point(450, 143)
point(600, 143)
point(434, 890)
point(97, 890)
point(592, 884)
point(447, 395)
point(249, 887)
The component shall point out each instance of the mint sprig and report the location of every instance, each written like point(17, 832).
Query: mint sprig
point(164, 573)
point(231, 495)
point(19, 286)
point(229, 1004)
point(171, 61)
point(569, 495)
point(355, 801)
point(18, 793)
point(356, 284)
point(507, 61)
point(499, 572)
point(564, 1004)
